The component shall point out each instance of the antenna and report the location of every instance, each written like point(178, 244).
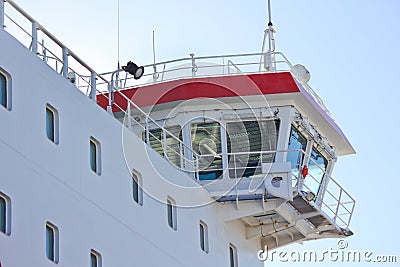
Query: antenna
point(269, 57)
point(155, 74)
point(271, 40)
point(269, 14)
point(154, 50)
point(118, 38)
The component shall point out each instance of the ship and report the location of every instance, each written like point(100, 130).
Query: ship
point(196, 161)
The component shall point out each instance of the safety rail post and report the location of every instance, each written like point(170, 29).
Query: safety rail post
point(194, 67)
point(34, 37)
point(164, 136)
point(197, 169)
point(110, 97)
point(181, 154)
point(155, 73)
point(129, 114)
point(44, 52)
point(93, 76)
point(65, 62)
point(147, 131)
point(2, 14)
point(234, 164)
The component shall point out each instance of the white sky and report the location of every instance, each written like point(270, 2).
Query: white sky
point(351, 48)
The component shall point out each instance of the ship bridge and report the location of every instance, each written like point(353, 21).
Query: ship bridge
point(247, 128)
point(260, 136)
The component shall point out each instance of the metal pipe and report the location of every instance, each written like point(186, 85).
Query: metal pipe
point(147, 131)
point(65, 62)
point(93, 86)
point(194, 67)
point(34, 38)
point(164, 135)
point(269, 13)
point(2, 14)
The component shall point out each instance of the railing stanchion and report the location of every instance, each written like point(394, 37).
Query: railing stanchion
point(34, 37)
point(93, 86)
point(65, 62)
point(181, 154)
point(197, 168)
point(194, 67)
point(147, 131)
point(234, 164)
point(110, 97)
point(129, 115)
point(2, 14)
point(164, 136)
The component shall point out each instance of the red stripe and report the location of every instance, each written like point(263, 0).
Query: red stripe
point(213, 87)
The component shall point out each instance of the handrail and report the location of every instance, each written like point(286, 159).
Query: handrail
point(66, 52)
point(143, 113)
point(336, 202)
point(99, 79)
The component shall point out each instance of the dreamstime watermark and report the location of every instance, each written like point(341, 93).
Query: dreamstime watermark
point(339, 254)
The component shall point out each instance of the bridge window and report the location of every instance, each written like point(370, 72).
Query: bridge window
point(316, 168)
point(165, 144)
point(297, 142)
point(206, 142)
point(245, 141)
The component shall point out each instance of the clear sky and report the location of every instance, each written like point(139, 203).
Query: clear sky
point(351, 48)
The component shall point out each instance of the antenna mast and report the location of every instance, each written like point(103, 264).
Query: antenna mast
point(118, 36)
point(269, 57)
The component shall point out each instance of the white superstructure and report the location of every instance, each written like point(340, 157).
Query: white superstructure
point(203, 165)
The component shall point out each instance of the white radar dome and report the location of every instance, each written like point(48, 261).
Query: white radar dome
point(301, 73)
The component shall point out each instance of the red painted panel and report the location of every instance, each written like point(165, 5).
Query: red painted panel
point(213, 87)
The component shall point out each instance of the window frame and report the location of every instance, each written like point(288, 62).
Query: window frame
point(213, 168)
point(5, 79)
point(172, 214)
point(97, 257)
point(203, 231)
point(96, 168)
point(137, 179)
point(55, 124)
point(249, 170)
point(311, 165)
point(156, 138)
point(300, 157)
point(5, 215)
point(54, 257)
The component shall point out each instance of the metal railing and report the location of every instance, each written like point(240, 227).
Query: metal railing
point(209, 66)
point(204, 66)
point(65, 62)
point(330, 198)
